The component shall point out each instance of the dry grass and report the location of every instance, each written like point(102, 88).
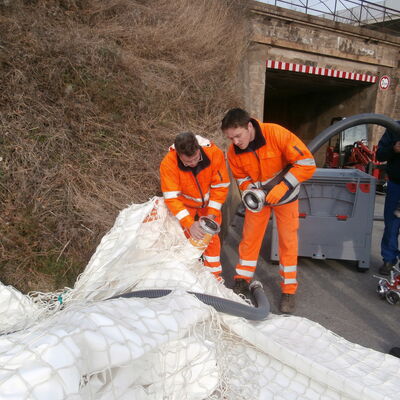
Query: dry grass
point(92, 93)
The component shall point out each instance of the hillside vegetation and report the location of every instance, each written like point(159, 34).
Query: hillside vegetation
point(92, 94)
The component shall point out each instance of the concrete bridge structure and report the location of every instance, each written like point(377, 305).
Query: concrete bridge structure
point(301, 71)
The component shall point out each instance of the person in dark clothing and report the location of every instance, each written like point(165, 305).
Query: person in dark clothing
point(389, 151)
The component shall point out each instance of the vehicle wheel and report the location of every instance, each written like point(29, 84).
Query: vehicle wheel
point(392, 297)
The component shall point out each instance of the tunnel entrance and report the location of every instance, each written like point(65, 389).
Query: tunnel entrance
point(307, 103)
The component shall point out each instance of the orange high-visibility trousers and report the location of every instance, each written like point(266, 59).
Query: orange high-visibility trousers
point(255, 224)
point(211, 254)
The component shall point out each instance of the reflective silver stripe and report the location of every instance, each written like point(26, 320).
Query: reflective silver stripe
point(248, 263)
point(215, 204)
point(221, 185)
point(289, 281)
point(288, 268)
point(171, 195)
point(211, 259)
point(265, 182)
point(305, 161)
point(295, 191)
point(292, 195)
point(291, 179)
point(196, 199)
point(182, 214)
point(240, 181)
point(214, 269)
point(244, 272)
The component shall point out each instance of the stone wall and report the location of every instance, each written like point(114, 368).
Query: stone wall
point(293, 37)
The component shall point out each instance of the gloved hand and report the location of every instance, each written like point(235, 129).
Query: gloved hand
point(276, 193)
point(196, 232)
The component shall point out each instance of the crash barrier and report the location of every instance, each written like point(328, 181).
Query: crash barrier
point(336, 210)
point(77, 343)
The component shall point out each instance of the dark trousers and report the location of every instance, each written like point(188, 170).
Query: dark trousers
point(389, 245)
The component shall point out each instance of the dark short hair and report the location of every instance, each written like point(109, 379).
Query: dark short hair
point(186, 143)
point(235, 118)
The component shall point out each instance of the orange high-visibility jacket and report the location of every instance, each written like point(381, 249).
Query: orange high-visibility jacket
point(272, 149)
point(206, 185)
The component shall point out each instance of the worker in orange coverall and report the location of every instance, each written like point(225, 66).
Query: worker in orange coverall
point(259, 152)
point(195, 183)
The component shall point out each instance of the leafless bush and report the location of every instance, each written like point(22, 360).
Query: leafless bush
point(92, 93)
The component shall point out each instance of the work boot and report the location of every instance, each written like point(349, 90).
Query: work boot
point(287, 303)
point(241, 287)
point(386, 267)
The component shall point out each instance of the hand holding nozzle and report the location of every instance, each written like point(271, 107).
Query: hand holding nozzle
point(276, 193)
point(255, 199)
point(196, 231)
point(202, 232)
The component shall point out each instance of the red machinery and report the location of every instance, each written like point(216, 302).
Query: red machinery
point(389, 288)
point(351, 151)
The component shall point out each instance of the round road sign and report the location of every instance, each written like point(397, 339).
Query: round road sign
point(384, 82)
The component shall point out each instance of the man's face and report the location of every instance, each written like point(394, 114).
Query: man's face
point(240, 136)
point(191, 161)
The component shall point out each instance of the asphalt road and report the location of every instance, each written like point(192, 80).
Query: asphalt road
point(332, 293)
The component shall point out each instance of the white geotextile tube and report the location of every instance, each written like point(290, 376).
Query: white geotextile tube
point(175, 347)
point(55, 355)
point(318, 358)
point(15, 309)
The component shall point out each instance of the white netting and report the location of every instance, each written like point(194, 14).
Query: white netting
point(75, 344)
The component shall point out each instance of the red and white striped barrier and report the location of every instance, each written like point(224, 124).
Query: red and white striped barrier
point(309, 69)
